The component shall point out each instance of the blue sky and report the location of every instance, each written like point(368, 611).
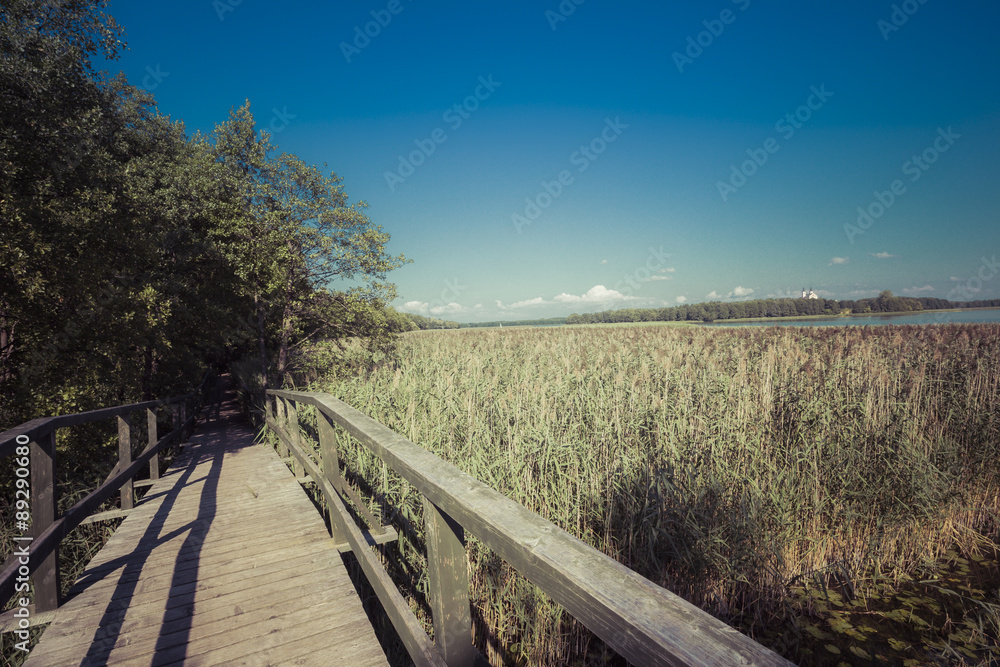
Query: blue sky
point(536, 159)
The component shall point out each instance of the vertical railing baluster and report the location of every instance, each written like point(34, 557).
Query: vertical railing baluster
point(331, 468)
point(293, 431)
point(154, 463)
point(282, 409)
point(43, 513)
point(448, 577)
point(125, 460)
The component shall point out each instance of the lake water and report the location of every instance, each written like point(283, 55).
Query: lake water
point(928, 317)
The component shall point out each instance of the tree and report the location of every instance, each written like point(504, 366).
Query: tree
point(111, 284)
point(59, 172)
point(297, 234)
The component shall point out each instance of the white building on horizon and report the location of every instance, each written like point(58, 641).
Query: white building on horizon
point(810, 294)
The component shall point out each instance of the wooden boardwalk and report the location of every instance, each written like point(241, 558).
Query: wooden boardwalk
point(225, 561)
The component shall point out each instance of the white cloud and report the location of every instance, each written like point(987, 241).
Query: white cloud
point(839, 260)
point(740, 291)
point(604, 261)
point(667, 269)
point(918, 290)
point(596, 294)
point(713, 295)
point(537, 301)
point(448, 309)
point(416, 307)
point(883, 255)
point(681, 299)
point(434, 309)
point(955, 280)
point(652, 278)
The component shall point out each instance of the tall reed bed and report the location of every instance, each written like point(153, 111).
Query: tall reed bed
point(743, 469)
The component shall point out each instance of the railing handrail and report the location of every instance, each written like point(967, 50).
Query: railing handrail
point(48, 528)
point(38, 428)
point(642, 621)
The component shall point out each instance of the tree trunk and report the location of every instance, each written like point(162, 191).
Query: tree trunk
point(261, 342)
point(147, 373)
point(6, 351)
point(286, 320)
point(286, 335)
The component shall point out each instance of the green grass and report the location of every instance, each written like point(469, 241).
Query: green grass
point(747, 470)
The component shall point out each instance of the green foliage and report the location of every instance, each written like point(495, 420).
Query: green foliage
point(132, 255)
point(296, 233)
point(398, 322)
point(425, 323)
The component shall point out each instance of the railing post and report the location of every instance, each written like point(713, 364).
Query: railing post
point(293, 431)
point(331, 469)
point(449, 587)
point(43, 513)
point(281, 407)
point(154, 463)
point(125, 460)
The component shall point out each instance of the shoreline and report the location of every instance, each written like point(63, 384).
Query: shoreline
point(844, 316)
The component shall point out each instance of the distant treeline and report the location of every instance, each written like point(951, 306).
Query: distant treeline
point(399, 322)
point(548, 322)
point(886, 302)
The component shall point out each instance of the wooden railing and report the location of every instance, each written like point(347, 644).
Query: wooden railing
point(33, 446)
point(643, 622)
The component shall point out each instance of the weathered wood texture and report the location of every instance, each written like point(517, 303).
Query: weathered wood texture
point(644, 622)
point(225, 560)
point(419, 646)
point(46, 542)
point(43, 513)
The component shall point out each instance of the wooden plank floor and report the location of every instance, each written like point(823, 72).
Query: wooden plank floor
point(226, 561)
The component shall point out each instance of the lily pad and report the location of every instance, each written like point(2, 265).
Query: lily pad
point(861, 653)
point(817, 633)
